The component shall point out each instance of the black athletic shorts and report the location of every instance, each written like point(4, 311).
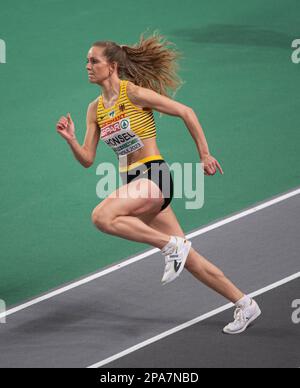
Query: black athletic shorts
point(157, 171)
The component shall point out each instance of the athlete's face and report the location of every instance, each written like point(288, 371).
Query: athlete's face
point(97, 66)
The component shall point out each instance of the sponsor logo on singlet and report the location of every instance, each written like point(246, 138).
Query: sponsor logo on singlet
point(118, 135)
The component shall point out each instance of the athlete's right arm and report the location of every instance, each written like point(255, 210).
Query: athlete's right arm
point(86, 153)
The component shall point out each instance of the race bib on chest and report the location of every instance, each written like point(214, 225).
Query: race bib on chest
point(118, 135)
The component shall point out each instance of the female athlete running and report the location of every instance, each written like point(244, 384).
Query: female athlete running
point(134, 81)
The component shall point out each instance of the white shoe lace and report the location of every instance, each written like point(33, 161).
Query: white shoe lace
point(172, 249)
point(239, 316)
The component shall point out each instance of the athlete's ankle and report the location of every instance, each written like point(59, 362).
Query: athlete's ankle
point(244, 302)
point(170, 247)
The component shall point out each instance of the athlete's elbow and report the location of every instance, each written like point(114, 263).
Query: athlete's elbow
point(87, 163)
point(187, 113)
point(87, 157)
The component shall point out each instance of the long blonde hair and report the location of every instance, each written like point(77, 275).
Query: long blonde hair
point(151, 63)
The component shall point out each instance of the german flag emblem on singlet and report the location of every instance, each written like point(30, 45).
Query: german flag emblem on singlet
point(122, 107)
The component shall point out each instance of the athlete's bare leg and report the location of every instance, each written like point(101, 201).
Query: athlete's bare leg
point(140, 219)
point(118, 214)
point(166, 222)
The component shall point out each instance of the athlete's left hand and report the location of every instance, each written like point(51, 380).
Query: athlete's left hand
point(210, 165)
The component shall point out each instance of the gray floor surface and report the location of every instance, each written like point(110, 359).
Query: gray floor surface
point(106, 316)
point(273, 342)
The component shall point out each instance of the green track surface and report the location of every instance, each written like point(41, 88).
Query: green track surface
point(240, 80)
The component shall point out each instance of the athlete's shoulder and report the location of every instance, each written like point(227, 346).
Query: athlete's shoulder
point(134, 92)
point(93, 106)
point(92, 109)
point(132, 88)
point(94, 103)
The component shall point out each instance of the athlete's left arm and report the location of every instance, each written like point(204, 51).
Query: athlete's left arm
point(149, 99)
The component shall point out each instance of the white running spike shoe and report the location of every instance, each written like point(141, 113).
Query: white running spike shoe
point(243, 317)
point(176, 260)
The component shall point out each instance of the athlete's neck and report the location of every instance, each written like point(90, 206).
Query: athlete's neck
point(111, 88)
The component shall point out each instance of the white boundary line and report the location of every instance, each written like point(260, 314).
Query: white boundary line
point(135, 259)
point(189, 323)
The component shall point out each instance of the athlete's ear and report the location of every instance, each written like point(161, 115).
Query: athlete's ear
point(113, 67)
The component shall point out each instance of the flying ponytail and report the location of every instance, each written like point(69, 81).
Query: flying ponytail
point(151, 63)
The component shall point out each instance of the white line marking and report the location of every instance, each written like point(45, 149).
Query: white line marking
point(189, 323)
point(140, 257)
point(245, 213)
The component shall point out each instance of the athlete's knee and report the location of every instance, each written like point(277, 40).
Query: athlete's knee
point(101, 219)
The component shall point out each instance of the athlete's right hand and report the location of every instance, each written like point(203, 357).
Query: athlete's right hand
point(65, 127)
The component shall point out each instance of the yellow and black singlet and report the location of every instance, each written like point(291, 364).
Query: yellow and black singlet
point(124, 126)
